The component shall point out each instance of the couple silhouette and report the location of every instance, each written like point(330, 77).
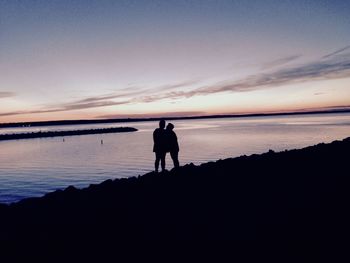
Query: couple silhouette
point(165, 140)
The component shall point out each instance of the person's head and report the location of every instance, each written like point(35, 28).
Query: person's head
point(170, 126)
point(162, 124)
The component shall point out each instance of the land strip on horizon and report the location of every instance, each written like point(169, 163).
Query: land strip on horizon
point(117, 120)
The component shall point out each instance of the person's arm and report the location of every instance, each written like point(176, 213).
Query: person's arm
point(176, 143)
point(155, 136)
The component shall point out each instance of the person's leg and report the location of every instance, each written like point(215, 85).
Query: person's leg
point(175, 157)
point(162, 160)
point(156, 163)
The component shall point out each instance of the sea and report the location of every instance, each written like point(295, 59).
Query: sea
point(33, 167)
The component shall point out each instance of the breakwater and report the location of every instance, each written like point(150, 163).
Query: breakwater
point(46, 134)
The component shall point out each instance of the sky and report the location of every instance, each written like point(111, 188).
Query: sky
point(108, 59)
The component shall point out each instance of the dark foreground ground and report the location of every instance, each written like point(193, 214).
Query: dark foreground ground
point(294, 203)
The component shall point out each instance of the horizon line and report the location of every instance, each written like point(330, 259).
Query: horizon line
point(135, 119)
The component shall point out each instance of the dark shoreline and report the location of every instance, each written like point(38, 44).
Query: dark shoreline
point(295, 200)
point(48, 134)
point(101, 121)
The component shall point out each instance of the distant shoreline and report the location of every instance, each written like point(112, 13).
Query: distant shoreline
point(100, 121)
point(48, 134)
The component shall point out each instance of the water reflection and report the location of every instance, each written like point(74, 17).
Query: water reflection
point(33, 167)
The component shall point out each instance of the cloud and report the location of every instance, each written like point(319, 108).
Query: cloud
point(106, 100)
point(66, 107)
point(339, 107)
point(129, 97)
point(154, 115)
point(336, 52)
point(6, 94)
point(96, 99)
point(280, 61)
point(88, 105)
point(174, 86)
point(12, 113)
point(330, 66)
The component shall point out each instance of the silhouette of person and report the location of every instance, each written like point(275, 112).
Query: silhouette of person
point(172, 144)
point(159, 147)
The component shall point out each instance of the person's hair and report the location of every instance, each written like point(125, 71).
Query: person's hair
point(170, 126)
point(162, 123)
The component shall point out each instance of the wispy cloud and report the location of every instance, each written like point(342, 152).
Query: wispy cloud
point(99, 101)
point(13, 113)
point(128, 96)
point(66, 107)
point(279, 62)
point(7, 94)
point(330, 66)
point(336, 52)
point(154, 115)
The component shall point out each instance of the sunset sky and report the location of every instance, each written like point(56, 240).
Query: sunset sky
point(103, 59)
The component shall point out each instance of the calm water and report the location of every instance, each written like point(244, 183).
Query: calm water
point(34, 167)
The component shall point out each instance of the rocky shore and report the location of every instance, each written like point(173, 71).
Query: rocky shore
point(292, 197)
